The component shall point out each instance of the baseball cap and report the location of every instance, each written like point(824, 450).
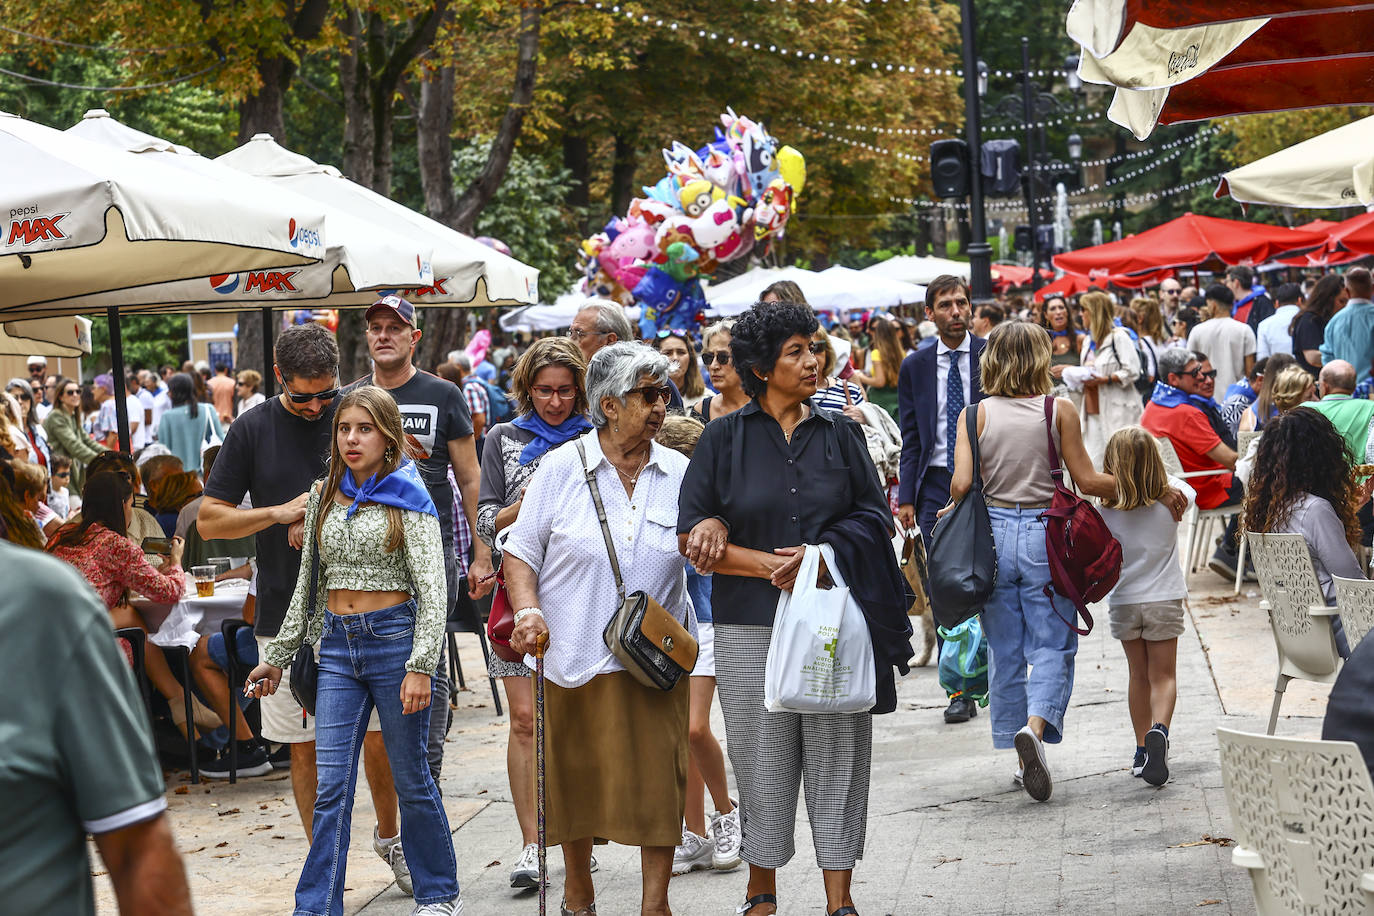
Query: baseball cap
point(37, 361)
point(397, 306)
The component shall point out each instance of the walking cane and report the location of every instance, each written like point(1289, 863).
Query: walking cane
point(539, 645)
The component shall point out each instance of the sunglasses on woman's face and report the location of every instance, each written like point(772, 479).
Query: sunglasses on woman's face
point(714, 356)
point(652, 394)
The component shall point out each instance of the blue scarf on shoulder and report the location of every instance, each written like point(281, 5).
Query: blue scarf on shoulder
point(547, 436)
point(1166, 395)
point(402, 488)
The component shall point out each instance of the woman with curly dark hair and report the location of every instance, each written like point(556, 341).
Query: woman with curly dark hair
point(765, 481)
point(1302, 485)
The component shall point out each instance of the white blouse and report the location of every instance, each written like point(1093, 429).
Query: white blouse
point(558, 536)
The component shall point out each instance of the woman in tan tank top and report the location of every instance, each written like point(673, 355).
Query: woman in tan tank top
point(1021, 627)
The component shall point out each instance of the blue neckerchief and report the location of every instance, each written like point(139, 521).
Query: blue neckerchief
point(1166, 395)
point(1242, 388)
point(402, 488)
point(1063, 333)
point(1255, 291)
point(546, 436)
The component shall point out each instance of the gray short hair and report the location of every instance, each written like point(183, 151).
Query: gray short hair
point(1173, 360)
point(615, 369)
point(461, 360)
point(724, 326)
point(610, 318)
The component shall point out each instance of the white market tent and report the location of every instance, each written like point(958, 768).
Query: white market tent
point(553, 317)
point(910, 269)
point(1330, 170)
point(837, 289)
point(880, 292)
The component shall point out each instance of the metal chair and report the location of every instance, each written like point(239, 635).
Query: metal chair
point(1298, 613)
point(236, 674)
point(1355, 598)
point(1199, 521)
point(1302, 812)
point(465, 618)
point(136, 638)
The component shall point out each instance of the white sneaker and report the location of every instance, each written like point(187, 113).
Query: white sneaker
point(526, 870)
point(448, 908)
point(693, 854)
point(393, 855)
point(1035, 774)
point(594, 866)
point(726, 839)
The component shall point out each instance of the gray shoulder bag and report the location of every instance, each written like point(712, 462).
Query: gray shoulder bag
point(654, 648)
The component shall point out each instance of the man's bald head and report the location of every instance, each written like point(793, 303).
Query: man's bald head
point(1337, 377)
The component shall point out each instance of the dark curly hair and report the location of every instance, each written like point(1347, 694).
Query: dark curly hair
point(1301, 452)
point(757, 339)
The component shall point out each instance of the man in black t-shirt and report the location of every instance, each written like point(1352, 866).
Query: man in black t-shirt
point(274, 453)
point(438, 428)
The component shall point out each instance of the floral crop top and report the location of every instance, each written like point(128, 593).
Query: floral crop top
point(353, 556)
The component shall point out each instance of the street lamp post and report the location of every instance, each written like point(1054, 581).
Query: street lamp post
point(1027, 112)
point(979, 251)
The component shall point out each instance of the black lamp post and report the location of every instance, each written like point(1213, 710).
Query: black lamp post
point(979, 251)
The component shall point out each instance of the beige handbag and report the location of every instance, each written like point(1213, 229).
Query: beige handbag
point(654, 648)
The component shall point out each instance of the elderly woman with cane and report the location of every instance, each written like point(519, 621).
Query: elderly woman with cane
point(562, 582)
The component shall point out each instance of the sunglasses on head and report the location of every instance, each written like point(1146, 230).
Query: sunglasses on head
point(715, 356)
point(672, 332)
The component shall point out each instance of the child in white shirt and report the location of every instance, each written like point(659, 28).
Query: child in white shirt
point(1147, 603)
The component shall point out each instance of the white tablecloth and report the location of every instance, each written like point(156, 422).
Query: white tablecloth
point(192, 617)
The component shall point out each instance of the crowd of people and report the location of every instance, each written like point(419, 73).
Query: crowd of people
point(564, 474)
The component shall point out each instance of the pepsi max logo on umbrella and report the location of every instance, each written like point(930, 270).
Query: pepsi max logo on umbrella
point(300, 236)
point(224, 284)
point(260, 281)
point(36, 229)
point(415, 292)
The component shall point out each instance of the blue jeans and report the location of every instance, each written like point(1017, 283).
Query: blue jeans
point(1022, 629)
point(362, 663)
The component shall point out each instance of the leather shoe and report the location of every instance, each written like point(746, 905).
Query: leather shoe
point(961, 709)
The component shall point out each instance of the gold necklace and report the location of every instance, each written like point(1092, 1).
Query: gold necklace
point(787, 433)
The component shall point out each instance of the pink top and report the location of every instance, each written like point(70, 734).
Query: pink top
point(114, 564)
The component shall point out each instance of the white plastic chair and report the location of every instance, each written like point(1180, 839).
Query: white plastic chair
point(1298, 613)
point(1302, 812)
point(1355, 598)
point(1199, 521)
point(1243, 440)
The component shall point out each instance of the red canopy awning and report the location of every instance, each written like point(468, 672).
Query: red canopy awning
point(1015, 274)
point(1180, 14)
point(1353, 237)
point(1190, 241)
point(1073, 284)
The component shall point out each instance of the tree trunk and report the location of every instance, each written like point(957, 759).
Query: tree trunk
point(262, 112)
point(434, 143)
point(249, 343)
point(354, 78)
point(354, 361)
point(445, 329)
point(623, 174)
point(479, 193)
point(577, 160)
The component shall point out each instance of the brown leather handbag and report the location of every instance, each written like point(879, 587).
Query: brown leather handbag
point(653, 646)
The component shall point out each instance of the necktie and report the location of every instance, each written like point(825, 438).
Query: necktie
point(954, 403)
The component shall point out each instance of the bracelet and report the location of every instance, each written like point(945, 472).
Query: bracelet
point(525, 612)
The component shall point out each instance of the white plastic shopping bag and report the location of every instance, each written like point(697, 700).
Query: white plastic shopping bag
point(820, 658)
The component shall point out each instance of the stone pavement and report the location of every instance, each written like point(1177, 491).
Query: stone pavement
point(947, 830)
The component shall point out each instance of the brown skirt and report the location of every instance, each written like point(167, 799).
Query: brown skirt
point(615, 761)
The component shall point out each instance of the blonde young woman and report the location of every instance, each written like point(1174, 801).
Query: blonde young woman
point(379, 617)
point(1110, 401)
point(683, 369)
point(715, 354)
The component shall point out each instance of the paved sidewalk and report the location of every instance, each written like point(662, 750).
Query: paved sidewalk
point(947, 830)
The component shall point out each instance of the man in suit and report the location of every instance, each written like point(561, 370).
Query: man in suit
point(935, 383)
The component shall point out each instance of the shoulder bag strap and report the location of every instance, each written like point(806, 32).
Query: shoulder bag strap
point(314, 563)
point(1055, 470)
point(590, 474)
point(971, 419)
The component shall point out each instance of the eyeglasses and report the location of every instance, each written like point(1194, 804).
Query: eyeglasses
point(1198, 373)
point(652, 394)
point(715, 356)
point(329, 395)
point(1171, 292)
point(576, 334)
point(545, 392)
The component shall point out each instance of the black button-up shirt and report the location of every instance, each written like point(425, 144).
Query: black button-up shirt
point(772, 493)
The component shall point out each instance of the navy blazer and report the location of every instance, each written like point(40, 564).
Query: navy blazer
point(917, 402)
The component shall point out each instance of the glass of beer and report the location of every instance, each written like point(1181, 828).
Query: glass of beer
point(205, 580)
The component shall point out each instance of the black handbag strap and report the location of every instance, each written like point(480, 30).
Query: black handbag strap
point(590, 474)
point(971, 419)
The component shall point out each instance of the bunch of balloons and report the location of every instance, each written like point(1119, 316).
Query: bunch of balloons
point(728, 199)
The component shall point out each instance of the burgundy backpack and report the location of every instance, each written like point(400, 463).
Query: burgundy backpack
point(1084, 558)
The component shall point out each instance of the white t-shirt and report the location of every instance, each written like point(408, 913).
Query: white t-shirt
point(162, 402)
point(1150, 570)
point(1226, 342)
point(1272, 335)
point(138, 430)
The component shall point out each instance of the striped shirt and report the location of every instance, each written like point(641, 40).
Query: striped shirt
point(832, 398)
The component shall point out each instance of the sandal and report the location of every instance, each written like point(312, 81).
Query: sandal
point(588, 910)
point(756, 900)
point(845, 911)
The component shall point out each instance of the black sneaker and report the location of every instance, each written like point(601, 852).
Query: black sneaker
point(1156, 770)
point(1138, 762)
point(1223, 564)
point(251, 762)
point(961, 709)
point(281, 757)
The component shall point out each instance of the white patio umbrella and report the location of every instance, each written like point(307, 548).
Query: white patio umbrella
point(85, 218)
point(1327, 171)
point(466, 272)
point(358, 260)
point(880, 292)
point(910, 269)
point(68, 336)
